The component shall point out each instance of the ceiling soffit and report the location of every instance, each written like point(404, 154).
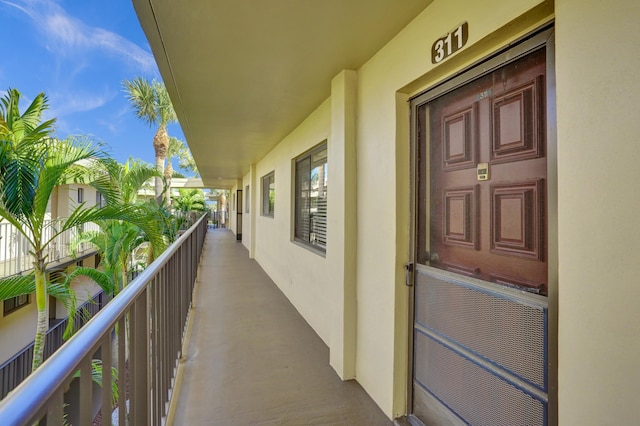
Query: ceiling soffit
point(243, 74)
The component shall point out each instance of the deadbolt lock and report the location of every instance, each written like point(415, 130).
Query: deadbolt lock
point(483, 171)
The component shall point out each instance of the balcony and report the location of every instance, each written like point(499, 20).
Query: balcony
point(247, 356)
point(14, 249)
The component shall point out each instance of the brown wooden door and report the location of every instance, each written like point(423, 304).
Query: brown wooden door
point(484, 145)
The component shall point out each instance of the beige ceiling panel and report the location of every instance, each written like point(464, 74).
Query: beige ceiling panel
point(242, 74)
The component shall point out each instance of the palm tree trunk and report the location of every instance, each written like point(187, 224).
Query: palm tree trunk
point(43, 320)
point(160, 146)
point(168, 171)
point(158, 180)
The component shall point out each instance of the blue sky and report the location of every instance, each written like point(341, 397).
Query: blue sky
point(78, 52)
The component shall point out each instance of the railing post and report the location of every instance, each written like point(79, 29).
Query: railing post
point(139, 360)
point(107, 380)
point(55, 412)
point(122, 370)
point(86, 391)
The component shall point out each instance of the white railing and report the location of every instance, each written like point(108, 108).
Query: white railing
point(15, 256)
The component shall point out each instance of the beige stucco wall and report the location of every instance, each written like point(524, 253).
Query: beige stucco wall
point(597, 63)
point(17, 329)
point(404, 65)
point(597, 57)
point(65, 199)
point(319, 286)
point(304, 276)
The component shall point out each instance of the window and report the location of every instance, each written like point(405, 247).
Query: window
point(269, 194)
point(100, 201)
point(15, 303)
point(80, 195)
point(246, 199)
point(311, 171)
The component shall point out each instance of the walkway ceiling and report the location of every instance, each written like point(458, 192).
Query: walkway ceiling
point(242, 74)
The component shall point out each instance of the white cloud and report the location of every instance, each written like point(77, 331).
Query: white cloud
point(114, 122)
point(66, 34)
point(69, 103)
point(109, 125)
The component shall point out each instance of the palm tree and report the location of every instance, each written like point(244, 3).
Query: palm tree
point(189, 200)
point(32, 164)
point(121, 182)
point(187, 204)
point(117, 240)
point(176, 148)
point(188, 163)
point(152, 104)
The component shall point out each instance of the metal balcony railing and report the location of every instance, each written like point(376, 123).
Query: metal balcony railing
point(18, 367)
point(14, 249)
point(140, 333)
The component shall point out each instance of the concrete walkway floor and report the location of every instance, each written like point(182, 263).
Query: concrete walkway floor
point(252, 359)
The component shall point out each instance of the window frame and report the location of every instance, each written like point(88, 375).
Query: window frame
point(268, 201)
point(100, 200)
point(9, 306)
point(299, 236)
point(80, 195)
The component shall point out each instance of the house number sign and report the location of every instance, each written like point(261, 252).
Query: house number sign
point(450, 43)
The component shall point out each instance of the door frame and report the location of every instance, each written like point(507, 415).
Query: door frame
point(542, 37)
point(239, 212)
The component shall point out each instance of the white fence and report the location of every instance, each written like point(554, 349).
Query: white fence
point(15, 256)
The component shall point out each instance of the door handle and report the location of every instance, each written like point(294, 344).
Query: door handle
point(408, 274)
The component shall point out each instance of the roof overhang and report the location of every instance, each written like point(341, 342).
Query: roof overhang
point(243, 74)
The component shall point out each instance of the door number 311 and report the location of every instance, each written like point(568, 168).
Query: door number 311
point(449, 44)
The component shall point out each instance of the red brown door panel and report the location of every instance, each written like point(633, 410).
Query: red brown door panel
point(493, 226)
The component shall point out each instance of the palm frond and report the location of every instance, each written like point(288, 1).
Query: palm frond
point(4, 127)
point(63, 166)
point(96, 376)
point(20, 177)
point(166, 113)
point(96, 238)
point(135, 214)
point(17, 285)
point(105, 177)
point(135, 179)
point(141, 94)
point(101, 278)
point(32, 116)
point(24, 127)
